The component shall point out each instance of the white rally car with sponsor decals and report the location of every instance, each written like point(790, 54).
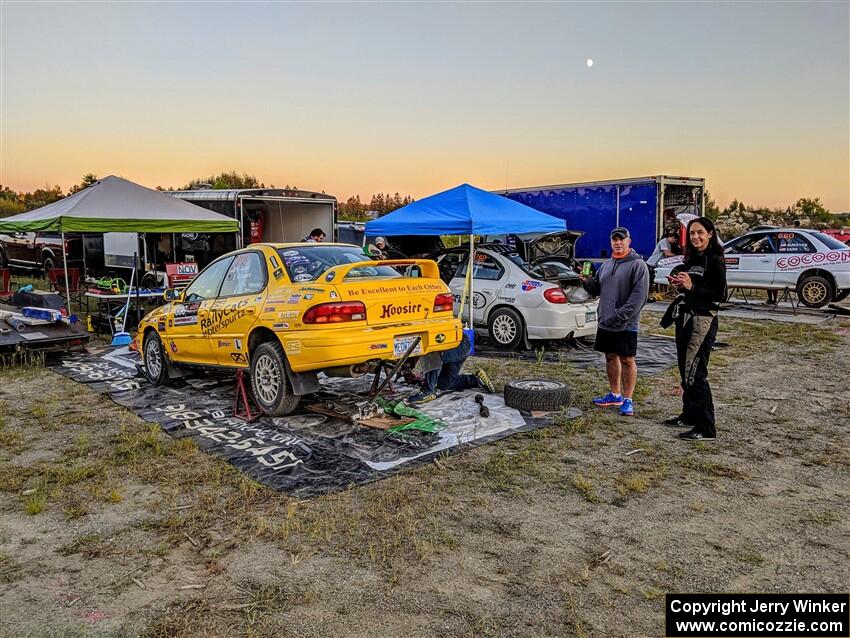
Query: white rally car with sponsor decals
point(813, 263)
point(515, 299)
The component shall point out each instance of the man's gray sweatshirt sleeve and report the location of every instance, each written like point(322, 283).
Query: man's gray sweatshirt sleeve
point(640, 291)
point(591, 285)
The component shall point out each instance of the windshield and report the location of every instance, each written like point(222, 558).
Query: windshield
point(308, 263)
point(830, 241)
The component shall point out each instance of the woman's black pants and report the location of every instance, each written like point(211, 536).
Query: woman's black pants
point(695, 335)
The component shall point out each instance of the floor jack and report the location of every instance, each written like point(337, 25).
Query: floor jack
point(245, 399)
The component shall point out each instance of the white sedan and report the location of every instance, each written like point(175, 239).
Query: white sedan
point(515, 300)
point(810, 262)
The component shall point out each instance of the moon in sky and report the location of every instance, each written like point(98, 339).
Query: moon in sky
point(589, 62)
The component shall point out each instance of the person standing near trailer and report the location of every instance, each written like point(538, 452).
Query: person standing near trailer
point(701, 280)
point(622, 284)
point(316, 235)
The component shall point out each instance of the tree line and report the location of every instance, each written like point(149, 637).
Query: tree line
point(354, 209)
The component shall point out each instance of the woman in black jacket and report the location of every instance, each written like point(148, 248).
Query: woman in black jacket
point(701, 280)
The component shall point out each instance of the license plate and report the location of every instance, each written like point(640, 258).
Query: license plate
point(590, 317)
point(401, 344)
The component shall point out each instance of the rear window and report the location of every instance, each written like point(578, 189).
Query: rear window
point(830, 241)
point(308, 263)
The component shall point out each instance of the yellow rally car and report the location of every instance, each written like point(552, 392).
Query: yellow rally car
point(288, 311)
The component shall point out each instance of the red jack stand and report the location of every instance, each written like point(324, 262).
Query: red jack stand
point(376, 382)
point(244, 399)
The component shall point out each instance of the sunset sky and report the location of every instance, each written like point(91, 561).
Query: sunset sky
point(416, 98)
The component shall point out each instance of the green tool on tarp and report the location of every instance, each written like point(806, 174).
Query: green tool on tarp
point(423, 422)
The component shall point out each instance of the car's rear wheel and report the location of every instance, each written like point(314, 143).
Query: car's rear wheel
point(48, 263)
point(815, 291)
point(156, 369)
point(269, 384)
point(506, 328)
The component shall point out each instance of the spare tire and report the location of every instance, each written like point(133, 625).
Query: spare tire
point(533, 395)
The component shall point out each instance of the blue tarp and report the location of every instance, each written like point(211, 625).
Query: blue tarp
point(464, 210)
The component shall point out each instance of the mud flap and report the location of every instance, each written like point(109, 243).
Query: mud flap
point(302, 382)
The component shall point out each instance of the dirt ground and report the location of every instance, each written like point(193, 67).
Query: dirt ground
point(110, 528)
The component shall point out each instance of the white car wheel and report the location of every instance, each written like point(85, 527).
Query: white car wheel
point(506, 327)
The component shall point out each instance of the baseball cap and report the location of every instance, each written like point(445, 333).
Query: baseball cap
point(620, 230)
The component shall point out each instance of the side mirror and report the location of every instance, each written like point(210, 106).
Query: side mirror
point(172, 294)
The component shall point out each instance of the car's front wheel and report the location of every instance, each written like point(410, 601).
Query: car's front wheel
point(268, 380)
point(506, 328)
point(815, 291)
point(156, 370)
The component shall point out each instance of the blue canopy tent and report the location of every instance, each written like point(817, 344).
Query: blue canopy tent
point(464, 210)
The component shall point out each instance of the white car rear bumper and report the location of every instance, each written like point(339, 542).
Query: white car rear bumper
point(559, 321)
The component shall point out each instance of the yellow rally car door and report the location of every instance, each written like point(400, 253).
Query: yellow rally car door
point(185, 338)
point(237, 308)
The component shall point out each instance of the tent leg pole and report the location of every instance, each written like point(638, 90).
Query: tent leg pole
point(67, 285)
point(471, 278)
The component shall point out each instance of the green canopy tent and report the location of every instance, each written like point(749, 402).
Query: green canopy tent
point(113, 204)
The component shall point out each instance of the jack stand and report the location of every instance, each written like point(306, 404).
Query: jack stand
point(244, 398)
point(387, 369)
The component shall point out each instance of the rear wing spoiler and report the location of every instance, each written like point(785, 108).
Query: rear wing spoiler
point(427, 267)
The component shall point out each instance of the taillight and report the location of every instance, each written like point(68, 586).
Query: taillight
point(444, 302)
point(336, 312)
point(555, 295)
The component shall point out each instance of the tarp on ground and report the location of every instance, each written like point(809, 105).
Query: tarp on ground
point(464, 210)
point(655, 354)
point(113, 204)
point(304, 454)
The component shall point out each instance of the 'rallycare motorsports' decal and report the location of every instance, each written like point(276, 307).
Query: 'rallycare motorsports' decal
point(530, 284)
point(221, 318)
point(390, 310)
point(831, 258)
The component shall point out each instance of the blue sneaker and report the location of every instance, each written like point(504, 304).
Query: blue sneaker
point(608, 399)
point(628, 408)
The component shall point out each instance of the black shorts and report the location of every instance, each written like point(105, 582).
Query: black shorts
point(622, 343)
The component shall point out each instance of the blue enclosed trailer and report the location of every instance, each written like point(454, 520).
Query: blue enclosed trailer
point(644, 205)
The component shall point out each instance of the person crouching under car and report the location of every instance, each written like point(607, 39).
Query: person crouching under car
point(442, 372)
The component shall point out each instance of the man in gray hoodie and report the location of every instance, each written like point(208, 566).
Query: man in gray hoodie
point(622, 285)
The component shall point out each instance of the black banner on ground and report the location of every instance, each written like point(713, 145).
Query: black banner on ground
point(304, 454)
point(761, 615)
